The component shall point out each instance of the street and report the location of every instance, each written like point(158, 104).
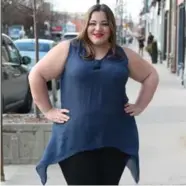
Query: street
point(162, 131)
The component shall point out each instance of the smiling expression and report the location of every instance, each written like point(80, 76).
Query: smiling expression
point(98, 30)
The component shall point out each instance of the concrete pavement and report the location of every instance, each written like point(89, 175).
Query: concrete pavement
point(162, 131)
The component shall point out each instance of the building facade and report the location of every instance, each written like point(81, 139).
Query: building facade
point(166, 20)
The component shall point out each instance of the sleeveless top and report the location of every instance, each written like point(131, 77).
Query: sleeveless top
point(94, 92)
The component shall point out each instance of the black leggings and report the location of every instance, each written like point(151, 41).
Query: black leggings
point(98, 167)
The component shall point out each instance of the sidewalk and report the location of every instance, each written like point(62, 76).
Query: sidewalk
point(162, 131)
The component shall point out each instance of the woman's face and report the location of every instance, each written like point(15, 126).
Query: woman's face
point(98, 28)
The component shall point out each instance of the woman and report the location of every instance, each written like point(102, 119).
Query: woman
point(94, 135)
point(141, 41)
point(152, 49)
point(150, 38)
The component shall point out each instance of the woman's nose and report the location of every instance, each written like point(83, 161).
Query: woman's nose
point(98, 27)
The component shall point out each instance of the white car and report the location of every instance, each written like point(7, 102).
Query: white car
point(27, 48)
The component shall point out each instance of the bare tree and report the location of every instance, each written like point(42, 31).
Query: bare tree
point(39, 15)
point(31, 13)
point(33, 7)
point(21, 12)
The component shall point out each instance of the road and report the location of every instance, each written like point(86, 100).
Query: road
point(162, 131)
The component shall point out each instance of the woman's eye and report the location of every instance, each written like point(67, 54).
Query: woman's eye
point(91, 24)
point(105, 24)
point(102, 24)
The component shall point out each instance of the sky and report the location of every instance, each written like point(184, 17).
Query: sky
point(133, 6)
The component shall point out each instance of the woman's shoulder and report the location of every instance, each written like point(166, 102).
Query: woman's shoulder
point(120, 52)
point(76, 42)
point(128, 51)
point(69, 45)
point(70, 42)
point(64, 45)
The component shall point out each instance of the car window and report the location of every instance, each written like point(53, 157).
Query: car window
point(70, 36)
point(4, 53)
point(14, 53)
point(30, 46)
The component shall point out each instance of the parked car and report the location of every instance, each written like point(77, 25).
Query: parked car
point(16, 95)
point(27, 47)
point(70, 35)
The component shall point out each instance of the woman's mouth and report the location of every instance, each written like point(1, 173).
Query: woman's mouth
point(98, 35)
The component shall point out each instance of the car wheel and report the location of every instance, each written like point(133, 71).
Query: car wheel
point(27, 105)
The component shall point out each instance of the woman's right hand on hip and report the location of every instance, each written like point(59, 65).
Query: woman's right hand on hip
point(57, 115)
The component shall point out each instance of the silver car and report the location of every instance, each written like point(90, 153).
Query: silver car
point(16, 95)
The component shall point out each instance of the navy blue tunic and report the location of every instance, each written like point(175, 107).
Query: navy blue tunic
point(94, 92)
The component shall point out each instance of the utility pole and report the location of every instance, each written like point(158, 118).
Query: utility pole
point(97, 1)
point(1, 119)
point(2, 156)
point(36, 110)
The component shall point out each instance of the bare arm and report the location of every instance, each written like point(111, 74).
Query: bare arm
point(48, 68)
point(144, 73)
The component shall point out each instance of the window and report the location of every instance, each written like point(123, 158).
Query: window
point(14, 54)
point(30, 46)
point(4, 54)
